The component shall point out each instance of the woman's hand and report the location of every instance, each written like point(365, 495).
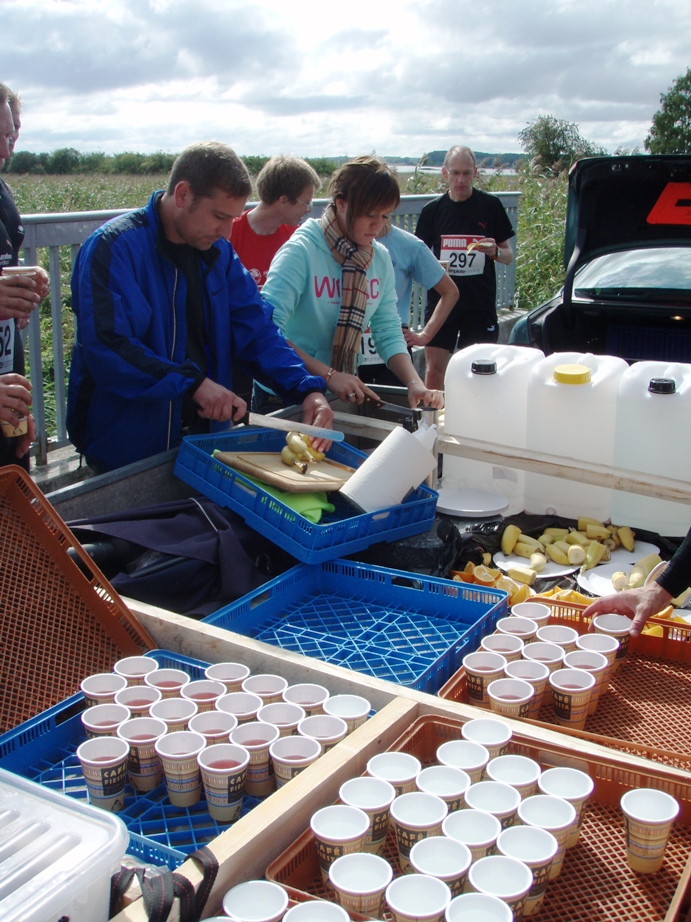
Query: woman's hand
point(639, 604)
point(350, 389)
point(316, 411)
point(19, 296)
point(15, 397)
point(419, 393)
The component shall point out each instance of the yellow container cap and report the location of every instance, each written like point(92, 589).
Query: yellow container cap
point(572, 374)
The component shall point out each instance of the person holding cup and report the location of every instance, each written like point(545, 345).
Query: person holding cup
point(20, 294)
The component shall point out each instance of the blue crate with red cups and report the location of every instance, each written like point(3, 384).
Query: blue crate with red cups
point(44, 748)
point(342, 532)
point(406, 628)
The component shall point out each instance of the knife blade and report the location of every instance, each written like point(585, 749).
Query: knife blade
point(286, 425)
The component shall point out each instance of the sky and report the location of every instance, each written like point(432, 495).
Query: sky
point(333, 78)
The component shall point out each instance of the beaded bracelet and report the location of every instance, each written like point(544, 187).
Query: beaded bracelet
point(328, 375)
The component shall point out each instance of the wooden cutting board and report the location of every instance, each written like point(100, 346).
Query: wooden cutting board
point(267, 466)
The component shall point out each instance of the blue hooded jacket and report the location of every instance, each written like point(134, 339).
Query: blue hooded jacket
point(129, 368)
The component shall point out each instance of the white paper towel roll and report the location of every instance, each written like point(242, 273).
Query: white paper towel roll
point(397, 466)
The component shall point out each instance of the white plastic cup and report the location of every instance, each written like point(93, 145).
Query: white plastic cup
point(214, 726)
point(338, 830)
point(416, 816)
point(104, 766)
point(257, 738)
point(554, 814)
point(325, 728)
point(354, 709)
point(169, 682)
point(536, 848)
point(594, 663)
point(535, 674)
point(534, 611)
point(481, 668)
point(604, 644)
point(540, 651)
point(507, 878)
point(495, 797)
point(134, 668)
point(446, 782)
point(244, 705)
point(310, 697)
point(442, 857)
point(292, 754)
point(175, 713)
point(268, 686)
point(475, 828)
point(360, 881)
point(223, 767)
point(398, 768)
point(507, 645)
point(520, 772)
point(204, 692)
point(649, 815)
point(571, 693)
point(374, 796)
point(144, 767)
point(572, 785)
point(231, 674)
point(178, 754)
point(490, 732)
point(316, 911)
point(467, 755)
point(517, 627)
point(283, 715)
point(138, 699)
point(256, 901)
point(510, 697)
point(101, 687)
point(563, 636)
point(418, 898)
point(619, 627)
point(478, 907)
point(104, 719)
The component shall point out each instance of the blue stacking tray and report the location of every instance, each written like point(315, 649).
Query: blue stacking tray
point(409, 629)
point(342, 532)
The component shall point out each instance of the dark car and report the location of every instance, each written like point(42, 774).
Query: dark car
point(627, 289)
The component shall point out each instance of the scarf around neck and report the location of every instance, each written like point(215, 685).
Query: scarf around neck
point(354, 262)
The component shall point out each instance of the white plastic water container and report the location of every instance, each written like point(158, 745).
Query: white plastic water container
point(572, 399)
point(57, 854)
point(486, 389)
point(653, 435)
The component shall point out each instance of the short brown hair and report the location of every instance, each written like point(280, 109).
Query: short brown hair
point(366, 184)
point(287, 176)
point(209, 166)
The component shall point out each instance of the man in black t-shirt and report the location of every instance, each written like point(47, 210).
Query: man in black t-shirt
point(468, 230)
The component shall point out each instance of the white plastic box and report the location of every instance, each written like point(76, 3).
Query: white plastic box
point(57, 854)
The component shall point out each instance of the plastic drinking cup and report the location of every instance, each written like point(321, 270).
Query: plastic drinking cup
point(316, 911)
point(534, 611)
point(446, 782)
point(256, 901)
point(604, 644)
point(467, 755)
point(418, 898)
point(223, 767)
point(354, 709)
point(520, 772)
point(269, 687)
point(143, 763)
point(308, 696)
point(416, 816)
point(328, 730)
point(169, 681)
point(134, 668)
point(100, 688)
point(204, 692)
point(178, 753)
point(510, 697)
point(104, 719)
point(338, 830)
point(495, 797)
point(374, 796)
point(175, 713)
point(490, 732)
point(571, 692)
point(572, 785)
point(244, 705)
point(649, 815)
point(360, 881)
point(619, 627)
point(398, 768)
point(507, 645)
point(474, 828)
point(231, 674)
point(517, 627)
point(553, 814)
point(507, 878)
point(550, 655)
point(257, 738)
point(283, 715)
point(104, 765)
point(292, 754)
point(214, 726)
point(138, 699)
point(442, 857)
point(481, 668)
point(478, 907)
point(594, 663)
point(562, 636)
point(535, 674)
point(536, 848)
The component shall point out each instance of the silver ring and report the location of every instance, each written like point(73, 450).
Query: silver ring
point(353, 394)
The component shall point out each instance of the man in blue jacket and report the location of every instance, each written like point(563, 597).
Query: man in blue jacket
point(164, 309)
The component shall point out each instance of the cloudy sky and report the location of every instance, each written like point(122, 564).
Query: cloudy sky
point(400, 77)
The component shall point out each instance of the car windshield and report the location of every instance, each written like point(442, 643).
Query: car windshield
point(660, 274)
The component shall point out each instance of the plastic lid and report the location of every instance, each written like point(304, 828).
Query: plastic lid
point(484, 367)
point(572, 374)
point(662, 386)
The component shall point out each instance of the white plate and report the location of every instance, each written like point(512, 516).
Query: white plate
point(550, 569)
point(640, 549)
point(598, 580)
point(474, 504)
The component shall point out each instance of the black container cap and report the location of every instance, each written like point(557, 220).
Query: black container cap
point(484, 367)
point(662, 386)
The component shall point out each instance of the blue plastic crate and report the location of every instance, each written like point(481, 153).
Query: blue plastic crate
point(44, 750)
point(342, 532)
point(409, 629)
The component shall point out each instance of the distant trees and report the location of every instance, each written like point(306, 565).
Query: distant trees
point(670, 132)
point(555, 143)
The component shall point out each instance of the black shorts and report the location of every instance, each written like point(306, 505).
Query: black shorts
point(464, 328)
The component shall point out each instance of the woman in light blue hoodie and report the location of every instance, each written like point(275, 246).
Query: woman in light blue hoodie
point(332, 279)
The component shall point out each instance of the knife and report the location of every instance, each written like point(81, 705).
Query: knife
point(286, 425)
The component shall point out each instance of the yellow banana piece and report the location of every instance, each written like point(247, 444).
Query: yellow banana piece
point(315, 455)
point(297, 446)
point(290, 459)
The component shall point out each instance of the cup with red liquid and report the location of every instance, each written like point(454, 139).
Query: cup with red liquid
point(143, 764)
point(223, 768)
point(104, 719)
point(204, 692)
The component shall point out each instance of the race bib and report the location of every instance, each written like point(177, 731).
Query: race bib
point(454, 254)
point(6, 346)
point(368, 352)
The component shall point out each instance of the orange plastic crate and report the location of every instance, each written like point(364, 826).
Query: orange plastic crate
point(595, 884)
point(646, 710)
point(59, 623)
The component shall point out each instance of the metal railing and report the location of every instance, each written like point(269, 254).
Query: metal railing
point(54, 231)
